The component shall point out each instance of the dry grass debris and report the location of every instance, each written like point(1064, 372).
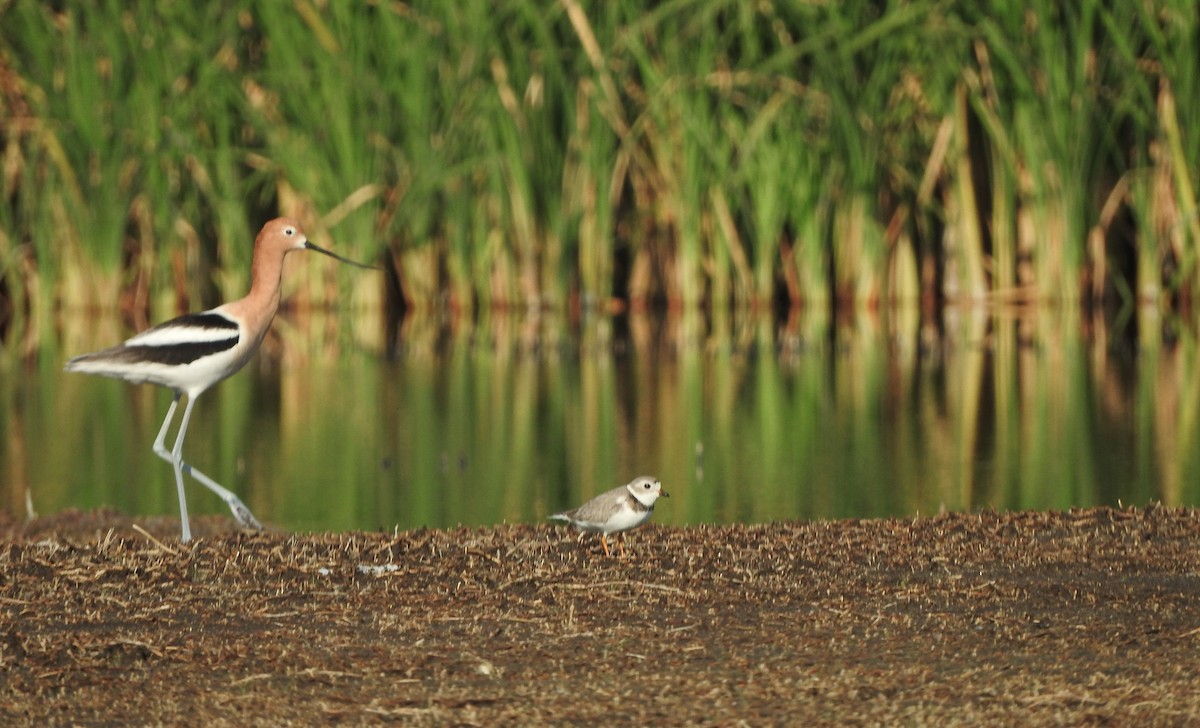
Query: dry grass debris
point(1086, 616)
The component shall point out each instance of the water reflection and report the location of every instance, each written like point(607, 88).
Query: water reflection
point(337, 425)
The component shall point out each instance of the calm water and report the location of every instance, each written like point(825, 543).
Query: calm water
point(339, 424)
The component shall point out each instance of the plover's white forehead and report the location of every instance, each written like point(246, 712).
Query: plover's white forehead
point(646, 489)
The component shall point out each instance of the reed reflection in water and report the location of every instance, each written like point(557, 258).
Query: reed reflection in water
point(744, 419)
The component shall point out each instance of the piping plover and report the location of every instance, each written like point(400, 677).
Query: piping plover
point(616, 510)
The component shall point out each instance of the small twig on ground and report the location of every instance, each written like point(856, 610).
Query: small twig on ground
point(154, 540)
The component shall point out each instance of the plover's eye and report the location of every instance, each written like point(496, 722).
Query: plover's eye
point(646, 485)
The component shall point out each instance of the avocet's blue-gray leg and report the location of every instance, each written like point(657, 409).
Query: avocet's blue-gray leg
point(161, 451)
point(239, 510)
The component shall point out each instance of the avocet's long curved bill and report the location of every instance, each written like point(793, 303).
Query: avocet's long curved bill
point(335, 256)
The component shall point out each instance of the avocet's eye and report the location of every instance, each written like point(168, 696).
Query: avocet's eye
point(289, 231)
point(647, 485)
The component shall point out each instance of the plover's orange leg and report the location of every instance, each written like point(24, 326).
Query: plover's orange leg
point(604, 543)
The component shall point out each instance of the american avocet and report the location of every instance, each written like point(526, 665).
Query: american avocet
point(191, 353)
point(616, 510)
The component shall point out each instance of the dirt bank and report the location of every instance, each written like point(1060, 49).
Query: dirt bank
point(1032, 618)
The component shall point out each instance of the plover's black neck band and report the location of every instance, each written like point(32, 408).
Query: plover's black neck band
point(638, 506)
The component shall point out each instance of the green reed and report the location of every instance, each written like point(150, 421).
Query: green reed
point(1165, 102)
point(705, 153)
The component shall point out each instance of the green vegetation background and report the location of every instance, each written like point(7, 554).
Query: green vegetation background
point(544, 153)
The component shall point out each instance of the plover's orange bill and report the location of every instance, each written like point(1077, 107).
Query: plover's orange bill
point(616, 510)
point(191, 353)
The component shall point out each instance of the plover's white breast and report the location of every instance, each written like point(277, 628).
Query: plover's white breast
point(629, 514)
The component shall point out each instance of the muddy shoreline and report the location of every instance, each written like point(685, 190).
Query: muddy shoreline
point(1089, 616)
